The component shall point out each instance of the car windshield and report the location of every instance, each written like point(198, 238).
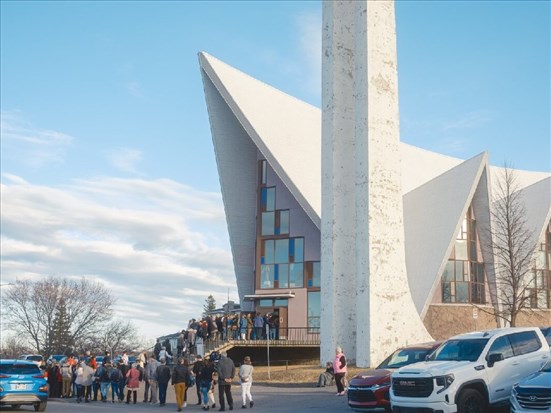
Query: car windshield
point(404, 357)
point(18, 369)
point(34, 358)
point(547, 367)
point(460, 350)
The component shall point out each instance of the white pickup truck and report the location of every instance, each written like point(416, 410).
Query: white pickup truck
point(469, 372)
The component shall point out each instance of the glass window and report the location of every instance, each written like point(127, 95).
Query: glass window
point(281, 302)
point(263, 172)
point(446, 292)
point(448, 274)
point(314, 309)
point(299, 249)
point(265, 303)
point(283, 275)
point(268, 251)
point(461, 250)
point(502, 345)
point(296, 275)
point(462, 292)
point(316, 281)
point(284, 221)
point(525, 342)
point(282, 251)
point(267, 276)
point(270, 199)
point(268, 223)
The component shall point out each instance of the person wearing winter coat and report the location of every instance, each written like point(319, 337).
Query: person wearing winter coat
point(339, 366)
point(226, 373)
point(180, 376)
point(163, 377)
point(132, 383)
point(150, 378)
point(246, 379)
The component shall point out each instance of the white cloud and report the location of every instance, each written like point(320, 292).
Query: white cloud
point(30, 145)
point(469, 120)
point(134, 89)
point(126, 159)
point(161, 247)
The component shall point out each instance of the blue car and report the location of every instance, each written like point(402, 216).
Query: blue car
point(22, 382)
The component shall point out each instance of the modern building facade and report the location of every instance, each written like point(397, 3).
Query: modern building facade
point(268, 148)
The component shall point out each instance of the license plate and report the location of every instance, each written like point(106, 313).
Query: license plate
point(20, 387)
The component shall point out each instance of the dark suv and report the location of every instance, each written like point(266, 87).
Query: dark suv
point(22, 382)
point(369, 390)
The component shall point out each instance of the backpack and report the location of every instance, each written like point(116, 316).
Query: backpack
point(105, 374)
point(190, 380)
point(116, 375)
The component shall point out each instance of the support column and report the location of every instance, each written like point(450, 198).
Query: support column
point(364, 279)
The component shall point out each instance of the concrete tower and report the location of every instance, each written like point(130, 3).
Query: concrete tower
point(366, 302)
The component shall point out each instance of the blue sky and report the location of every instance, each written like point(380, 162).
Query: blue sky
point(107, 163)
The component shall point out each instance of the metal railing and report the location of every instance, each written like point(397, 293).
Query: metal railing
point(286, 336)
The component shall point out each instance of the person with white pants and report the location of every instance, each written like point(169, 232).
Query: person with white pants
point(246, 379)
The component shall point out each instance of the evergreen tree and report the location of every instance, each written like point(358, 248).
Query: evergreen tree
point(61, 342)
point(210, 305)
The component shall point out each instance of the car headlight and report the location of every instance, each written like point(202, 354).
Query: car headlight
point(444, 382)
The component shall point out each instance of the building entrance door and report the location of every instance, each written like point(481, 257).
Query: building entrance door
point(283, 332)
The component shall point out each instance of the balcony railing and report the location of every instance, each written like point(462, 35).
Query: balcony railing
point(286, 336)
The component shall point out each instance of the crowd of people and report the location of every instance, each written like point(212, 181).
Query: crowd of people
point(244, 326)
point(117, 380)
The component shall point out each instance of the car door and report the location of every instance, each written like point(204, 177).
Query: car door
point(503, 374)
point(528, 348)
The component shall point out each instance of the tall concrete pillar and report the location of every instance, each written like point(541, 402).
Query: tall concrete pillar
point(366, 302)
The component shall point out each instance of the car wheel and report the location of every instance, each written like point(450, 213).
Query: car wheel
point(471, 401)
point(40, 407)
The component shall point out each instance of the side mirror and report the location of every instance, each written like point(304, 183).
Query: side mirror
point(494, 358)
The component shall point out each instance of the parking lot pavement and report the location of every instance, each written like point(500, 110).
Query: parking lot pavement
point(266, 399)
point(273, 398)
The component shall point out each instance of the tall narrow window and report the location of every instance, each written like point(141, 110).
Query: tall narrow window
point(463, 278)
point(314, 310)
point(263, 172)
point(540, 285)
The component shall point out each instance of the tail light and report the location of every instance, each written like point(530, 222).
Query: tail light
point(43, 389)
point(38, 376)
point(4, 376)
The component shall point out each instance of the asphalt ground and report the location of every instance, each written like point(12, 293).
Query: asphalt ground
point(273, 398)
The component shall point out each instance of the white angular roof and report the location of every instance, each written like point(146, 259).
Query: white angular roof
point(287, 132)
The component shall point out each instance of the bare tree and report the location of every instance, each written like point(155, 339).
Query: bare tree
point(117, 336)
point(13, 347)
point(31, 309)
point(514, 245)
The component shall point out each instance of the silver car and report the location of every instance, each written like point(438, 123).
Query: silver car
point(533, 393)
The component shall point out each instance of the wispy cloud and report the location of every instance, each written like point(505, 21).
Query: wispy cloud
point(28, 144)
point(469, 120)
point(134, 89)
point(126, 159)
point(156, 244)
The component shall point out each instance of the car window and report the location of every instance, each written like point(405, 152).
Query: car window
point(404, 357)
point(16, 369)
point(458, 350)
point(525, 342)
point(501, 345)
point(34, 358)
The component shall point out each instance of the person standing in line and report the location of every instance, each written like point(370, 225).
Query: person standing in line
point(246, 379)
point(163, 377)
point(197, 366)
point(150, 378)
point(157, 349)
point(115, 380)
point(79, 381)
point(258, 322)
point(122, 382)
point(179, 380)
point(249, 326)
point(243, 327)
point(87, 380)
point(205, 383)
point(226, 373)
point(133, 383)
point(339, 366)
point(66, 375)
